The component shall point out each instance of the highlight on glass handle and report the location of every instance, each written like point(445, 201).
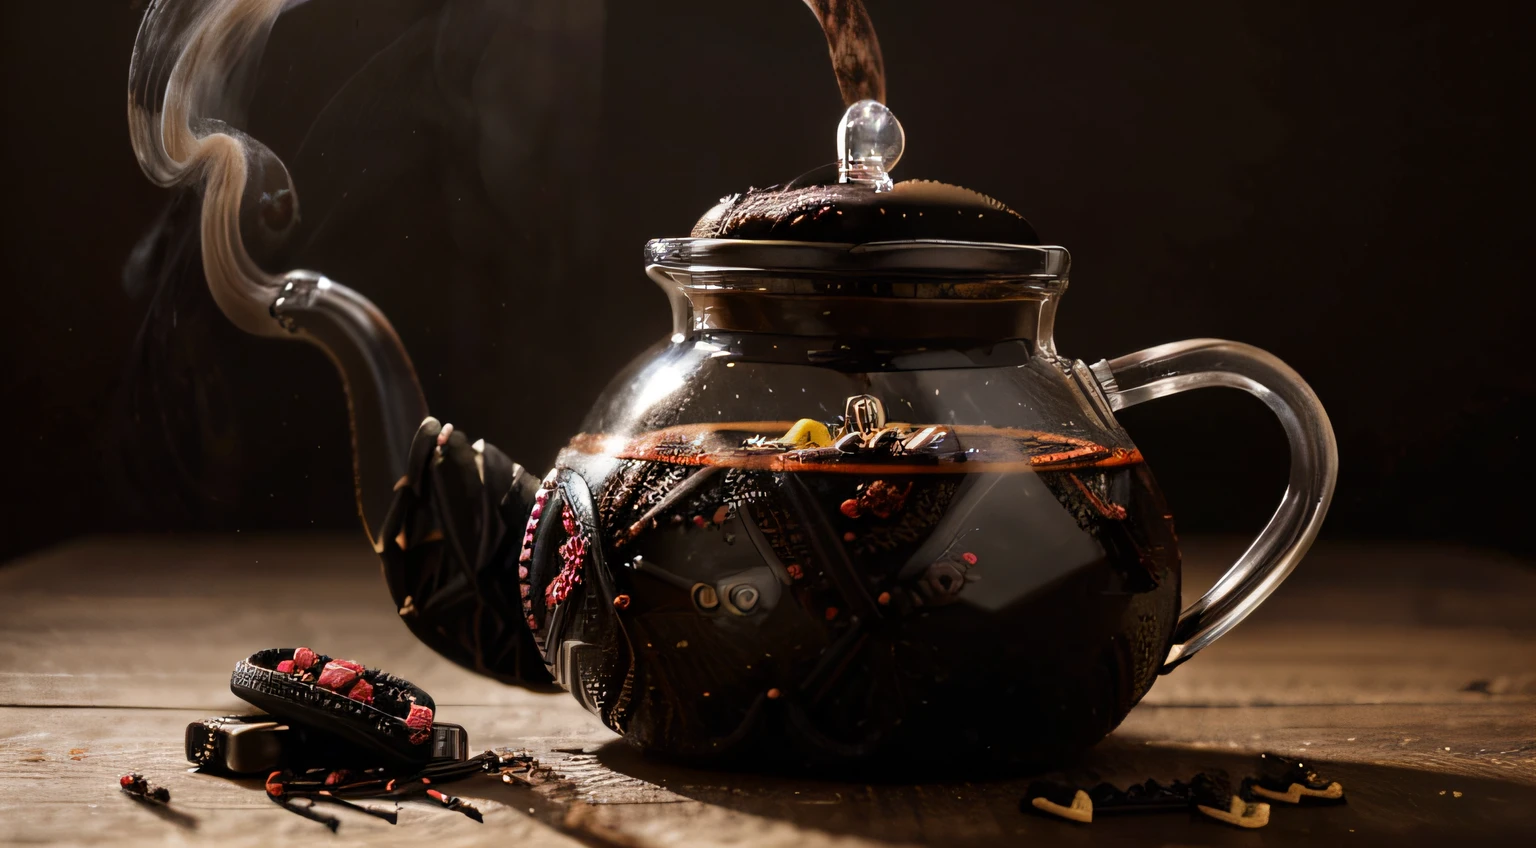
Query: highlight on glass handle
point(1201, 363)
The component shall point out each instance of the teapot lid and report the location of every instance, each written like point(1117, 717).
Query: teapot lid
point(852, 217)
point(855, 213)
point(856, 202)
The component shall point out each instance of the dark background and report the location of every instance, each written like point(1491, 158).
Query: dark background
point(1346, 185)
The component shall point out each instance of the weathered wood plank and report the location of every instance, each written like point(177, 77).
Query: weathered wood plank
point(1363, 660)
point(155, 623)
point(58, 761)
point(59, 785)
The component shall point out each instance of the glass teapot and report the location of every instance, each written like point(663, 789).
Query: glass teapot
point(856, 500)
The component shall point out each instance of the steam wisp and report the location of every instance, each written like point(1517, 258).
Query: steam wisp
point(191, 65)
point(191, 70)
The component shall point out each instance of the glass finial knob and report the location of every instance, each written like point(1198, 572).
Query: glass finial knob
point(869, 144)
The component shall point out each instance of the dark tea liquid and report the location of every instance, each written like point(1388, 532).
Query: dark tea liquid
point(1011, 587)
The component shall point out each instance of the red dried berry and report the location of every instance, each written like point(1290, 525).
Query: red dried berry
point(795, 572)
point(831, 613)
point(336, 676)
point(420, 722)
point(361, 691)
point(970, 558)
point(698, 521)
point(125, 781)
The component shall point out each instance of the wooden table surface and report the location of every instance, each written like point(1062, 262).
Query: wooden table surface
point(1408, 670)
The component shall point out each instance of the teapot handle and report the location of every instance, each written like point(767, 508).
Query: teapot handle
point(1199, 363)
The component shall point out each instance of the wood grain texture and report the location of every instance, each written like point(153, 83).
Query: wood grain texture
point(1410, 671)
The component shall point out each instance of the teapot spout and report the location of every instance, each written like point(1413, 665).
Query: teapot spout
point(440, 511)
point(191, 69)
point(384, 398)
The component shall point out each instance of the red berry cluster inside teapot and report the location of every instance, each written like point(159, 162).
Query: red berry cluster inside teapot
point(857, 500)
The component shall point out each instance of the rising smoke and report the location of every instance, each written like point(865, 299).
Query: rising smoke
point(481, 112)
point(192, 70)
